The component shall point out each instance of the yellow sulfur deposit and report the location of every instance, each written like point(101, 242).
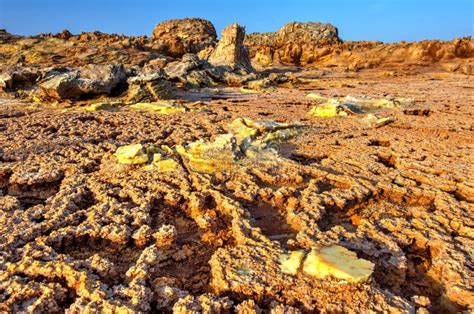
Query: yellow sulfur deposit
point(338, 262)
point(161, 107)
point(99, 106)
point(218, 155)
point(353, 105)
point(280, 135)
point(224, 152)
point(164, 164)
point(290, 263)
point(249, 91)
point(131, 154)
point(269, 125)
point(329, 109)
point(241, 131)
point(367, 103)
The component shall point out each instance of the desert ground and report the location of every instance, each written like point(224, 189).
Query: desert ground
point(286, 172)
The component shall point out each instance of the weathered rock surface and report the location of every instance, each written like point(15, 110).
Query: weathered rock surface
point(291, 42)
point(230, 51)
point(14, 77)
point(149, 85)
point(86, 81)
point(307, 33)
point(315, 45)
point(189, 35)
point(319, 44)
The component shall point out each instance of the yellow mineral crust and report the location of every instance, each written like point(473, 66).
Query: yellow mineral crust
point(329, 109)
point(223, 153)
point(269, 125)
point(218, 155)
point(242, 132)
point(99, 106)
point(131, 154)
point(159, 107)
point(338, 262)
point(164, 164)
point(350, 105)
point(245, 130)
point(280, 135)
point(290, 263)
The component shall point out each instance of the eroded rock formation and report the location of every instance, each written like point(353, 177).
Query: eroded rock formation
point(316, 44)
point(230, 51)
point(189, 35)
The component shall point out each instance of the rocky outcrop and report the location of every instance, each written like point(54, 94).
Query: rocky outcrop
point(318, 44)
point(230, 51)
point(83, 82)
point(149, 85)
point(14, 77)
point(292, 42)
point(307, 33)
point(180, 36)
point(192, 72)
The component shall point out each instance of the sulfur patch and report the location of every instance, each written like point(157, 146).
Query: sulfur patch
point(353, 105)
point(131, 154)
point(329, 109)
point(290, 263)
point(218, 155)
point(338, 262)
point(162, 108)
point(164, 164)
point(242, 132)
point(99, 106)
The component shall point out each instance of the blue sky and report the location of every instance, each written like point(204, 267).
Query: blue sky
point(385, 20)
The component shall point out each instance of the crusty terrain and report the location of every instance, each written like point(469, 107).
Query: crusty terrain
point(179, 174)
point(81, 231)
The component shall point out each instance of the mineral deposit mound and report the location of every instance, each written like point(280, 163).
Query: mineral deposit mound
point(286, 172)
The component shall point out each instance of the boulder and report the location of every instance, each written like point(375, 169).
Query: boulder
point(65, 34)
point(178, 69)
point(149, 87)
point(191, 71)
point(199, 78)
point(230, 51)
point(307, 33)
point(180, 36)
point(61, 85)
point(14, 77)
point(86, 81)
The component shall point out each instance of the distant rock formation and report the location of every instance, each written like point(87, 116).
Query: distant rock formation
point(307, 33)
point(291, 43)
point(230, 50)
point(189, 35)
point(318, 44)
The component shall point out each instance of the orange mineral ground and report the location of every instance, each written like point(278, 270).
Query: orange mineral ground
point(156, 175)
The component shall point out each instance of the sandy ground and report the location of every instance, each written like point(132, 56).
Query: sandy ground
point(79, 230)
